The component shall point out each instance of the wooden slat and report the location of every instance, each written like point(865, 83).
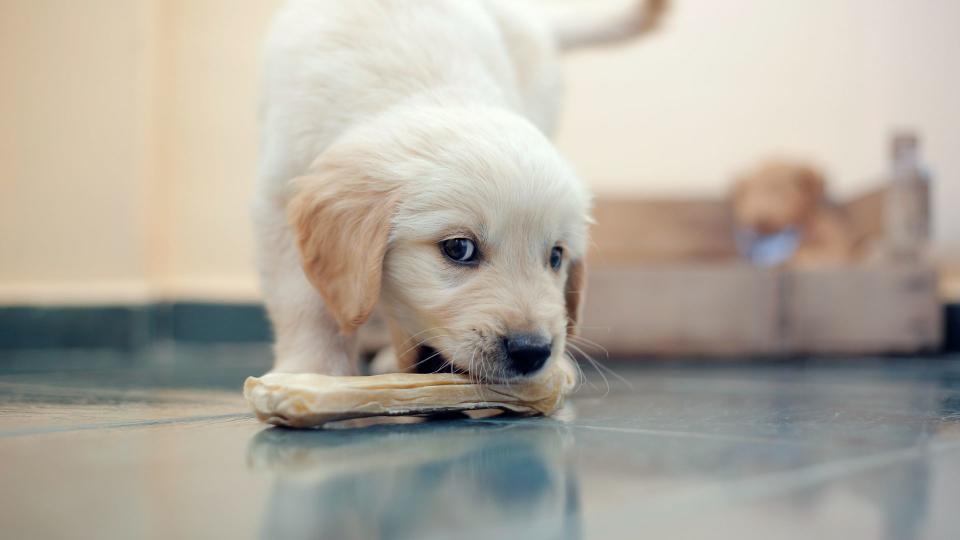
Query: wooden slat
point(862, 310)
point(661, 231)
point(702, 310)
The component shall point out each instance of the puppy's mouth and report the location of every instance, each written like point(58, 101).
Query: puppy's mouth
point(430, 360)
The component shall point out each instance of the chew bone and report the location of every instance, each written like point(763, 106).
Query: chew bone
point(305, 400)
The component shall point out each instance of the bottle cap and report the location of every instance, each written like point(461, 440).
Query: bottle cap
point(902, 144)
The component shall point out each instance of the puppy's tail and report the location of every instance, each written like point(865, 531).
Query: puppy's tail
point(614, 25)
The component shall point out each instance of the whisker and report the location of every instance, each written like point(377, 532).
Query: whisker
point(581, 379)
point(421, 342)
point(427, 359)
point(593, 362)
point(599, 365)
point(594, 344)
point(439, 351)
point(410, 338)
point(447, 355)
point(424, 342)
point(471, 367)
point(623, 379)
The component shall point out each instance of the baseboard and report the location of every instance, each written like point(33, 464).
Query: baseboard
point(131, 326)
point(219, 323)
point(134, 326)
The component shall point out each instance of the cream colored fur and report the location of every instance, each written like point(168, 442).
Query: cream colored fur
point(392, 125)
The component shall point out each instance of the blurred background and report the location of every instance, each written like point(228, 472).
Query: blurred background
point(128, 140)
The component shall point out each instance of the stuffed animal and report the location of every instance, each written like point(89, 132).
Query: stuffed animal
point(783, 218)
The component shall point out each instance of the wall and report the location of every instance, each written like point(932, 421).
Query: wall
point(128, 141)
point(209, 145)
point(127, 149)
point(75, 160)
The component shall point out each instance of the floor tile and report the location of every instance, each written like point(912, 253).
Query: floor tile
point(160, 445)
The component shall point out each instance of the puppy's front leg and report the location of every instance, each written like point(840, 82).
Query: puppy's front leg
point(385, 361)
point(308, 336)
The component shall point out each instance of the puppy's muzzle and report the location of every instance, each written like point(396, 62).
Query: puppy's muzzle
point(526, 353)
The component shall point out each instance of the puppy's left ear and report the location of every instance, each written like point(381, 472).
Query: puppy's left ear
point(342, 220)
point(574, 291)
point(813, 183)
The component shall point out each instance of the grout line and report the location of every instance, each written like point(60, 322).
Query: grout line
point(120, 425)
point(666, 433)
point(134, 395)
point(690, 435)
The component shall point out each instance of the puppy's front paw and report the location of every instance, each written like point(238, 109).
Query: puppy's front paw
point(385, 361)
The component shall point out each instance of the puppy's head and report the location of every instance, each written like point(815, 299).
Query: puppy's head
point(776, 196)
point(467, 227)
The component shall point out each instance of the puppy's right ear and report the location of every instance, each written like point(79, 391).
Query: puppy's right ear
point(738, 189)
point(574, 293)
point(342, 219)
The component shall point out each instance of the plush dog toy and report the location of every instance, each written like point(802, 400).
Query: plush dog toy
point(783, 217)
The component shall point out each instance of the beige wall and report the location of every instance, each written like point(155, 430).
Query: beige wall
point(209, 145)
point(74, 147)
point(127, 148)
point(128, 141)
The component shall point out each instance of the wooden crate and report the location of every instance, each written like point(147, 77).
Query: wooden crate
point(665, 280)
point(727, 310)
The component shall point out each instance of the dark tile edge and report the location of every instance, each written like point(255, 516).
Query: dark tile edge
point(951, 330)
point(131, 326)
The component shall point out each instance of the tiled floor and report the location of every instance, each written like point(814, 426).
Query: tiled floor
point(161, 446)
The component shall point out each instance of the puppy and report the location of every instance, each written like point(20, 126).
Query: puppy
point(783, 217)
point(406, 164)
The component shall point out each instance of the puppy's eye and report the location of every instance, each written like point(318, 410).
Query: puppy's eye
point(556, 257)
point(460, 250)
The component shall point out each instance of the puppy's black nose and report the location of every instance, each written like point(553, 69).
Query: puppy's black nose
point(527, 353)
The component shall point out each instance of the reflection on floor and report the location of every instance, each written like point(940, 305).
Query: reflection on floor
point(160, 445)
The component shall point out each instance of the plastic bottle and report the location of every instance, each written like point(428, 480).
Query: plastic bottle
point(907, 205)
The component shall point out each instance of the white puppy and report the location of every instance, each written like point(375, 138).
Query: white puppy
point(405, 164)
